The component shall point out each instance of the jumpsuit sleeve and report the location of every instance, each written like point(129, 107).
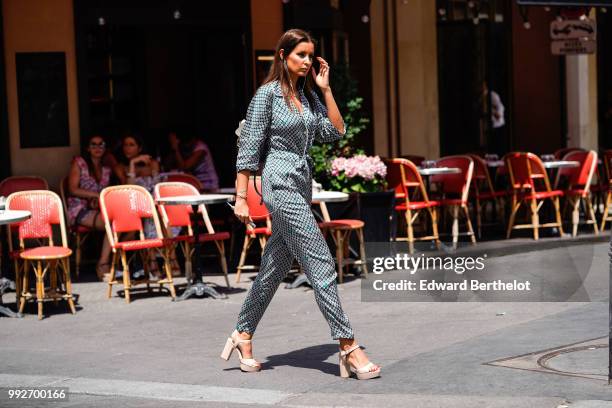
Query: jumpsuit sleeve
point(326, 131)
point(253, 135)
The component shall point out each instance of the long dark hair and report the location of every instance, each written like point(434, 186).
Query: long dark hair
point(87, 157)
point(278, 71)
point(139, 142)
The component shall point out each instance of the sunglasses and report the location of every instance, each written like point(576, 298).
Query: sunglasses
point(101, 145)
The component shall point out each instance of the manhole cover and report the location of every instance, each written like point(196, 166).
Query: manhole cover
point(587, 359)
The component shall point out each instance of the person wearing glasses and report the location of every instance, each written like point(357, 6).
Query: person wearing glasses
point(88, 176)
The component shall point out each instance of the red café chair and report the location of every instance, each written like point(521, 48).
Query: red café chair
point(185, 178)
point(22, 183)
point(12, 185)
point(180, 216)
point(341, 230)
point(259, 213)
point(455, 189)
point(411, 196)
point(561, 153)
point(123, 208)
point(416, 160)
point(46, 209)
point(599, 186)
point(607, 182)
point(531, 187)
point(192, 180)
point(579, 184)
point(483, 191)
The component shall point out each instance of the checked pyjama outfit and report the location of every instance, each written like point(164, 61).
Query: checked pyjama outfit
point(280, 137)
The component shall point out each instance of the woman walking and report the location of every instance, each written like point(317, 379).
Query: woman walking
point(283, 118)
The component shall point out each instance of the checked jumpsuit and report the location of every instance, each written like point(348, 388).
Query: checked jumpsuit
point(280, 137)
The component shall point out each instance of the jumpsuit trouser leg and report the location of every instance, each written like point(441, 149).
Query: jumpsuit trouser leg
point(296, 234)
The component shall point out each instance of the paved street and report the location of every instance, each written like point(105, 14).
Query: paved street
point(157, 353)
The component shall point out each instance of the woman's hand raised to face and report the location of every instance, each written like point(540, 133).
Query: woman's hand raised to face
point(322, 77)
point(143, 158)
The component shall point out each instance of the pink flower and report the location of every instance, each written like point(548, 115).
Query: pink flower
point(367, 167)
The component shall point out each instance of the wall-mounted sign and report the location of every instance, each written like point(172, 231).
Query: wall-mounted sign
point(568, 29)
point(573, 46)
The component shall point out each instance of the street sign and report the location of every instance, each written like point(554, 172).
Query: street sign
point(573, 47)
point(568, 29)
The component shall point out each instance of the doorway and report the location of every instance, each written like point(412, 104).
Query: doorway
point(142, 69)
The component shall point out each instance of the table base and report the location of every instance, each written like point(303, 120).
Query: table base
point(7, 284)
point(200, 289)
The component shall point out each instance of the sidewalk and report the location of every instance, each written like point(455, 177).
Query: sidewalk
point(157, 353)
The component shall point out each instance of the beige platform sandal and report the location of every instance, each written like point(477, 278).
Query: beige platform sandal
point(362, 373)
point(248, 365)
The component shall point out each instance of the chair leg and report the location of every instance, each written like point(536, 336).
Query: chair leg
point(222, 260)
point(591, 214)
point(362, 252)
point(66, 266)
point(168, 269)
point(604, 217)
point(409, 231)
point(514, 209)
point(339, 254)
point(558, 214)
point(455, 227)
point(433, 213)
point(25, 287)
point(53, 279)
point(535, 219)
point(245, 248)
point(469, 224)
point(111, 276)
point(478, 217)
point(126, 277)
point(40, 289)
point(145, 258)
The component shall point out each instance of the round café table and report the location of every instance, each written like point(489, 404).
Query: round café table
point(10, 217)
point(560, 164)
point(495, 163)
point(434, 171)
point(197, 286)
point(319, 197)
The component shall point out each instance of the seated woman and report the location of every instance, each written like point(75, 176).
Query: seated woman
point(192, 155)
point(134, 167)
point(88, 176)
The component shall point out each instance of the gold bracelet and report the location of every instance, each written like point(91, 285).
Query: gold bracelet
point(244, 197)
